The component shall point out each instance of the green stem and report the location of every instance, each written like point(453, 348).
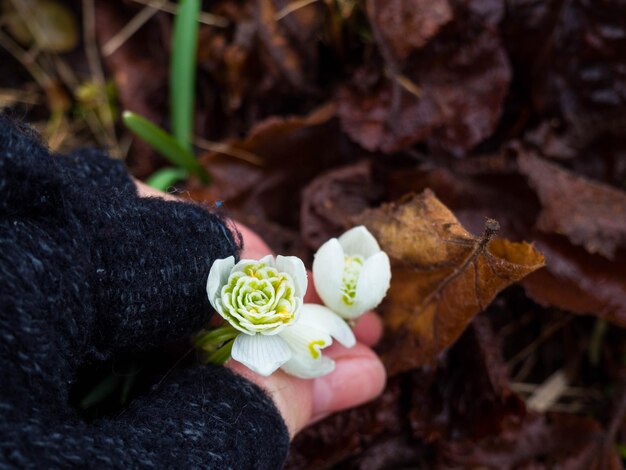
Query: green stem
point(210, 340)
point(221, 355)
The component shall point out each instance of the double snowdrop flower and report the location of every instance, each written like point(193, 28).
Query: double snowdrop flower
point(263, 300)
point(269, 325)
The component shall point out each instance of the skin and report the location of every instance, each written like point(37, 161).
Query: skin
point(359, 375)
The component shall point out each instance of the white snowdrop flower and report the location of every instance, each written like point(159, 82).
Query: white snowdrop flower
point(263, 301)
point(351, 273)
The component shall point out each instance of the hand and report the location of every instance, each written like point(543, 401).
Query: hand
point(359, 375)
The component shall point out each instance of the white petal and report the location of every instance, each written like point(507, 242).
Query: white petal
point(306, 368)
point(262, 354)
point(293, 266)
point(316, 316)
point(372, 285)
point(303, 339)
point(328, 266)
point(268, 260)
point(218, 276)
point(359, 241)
point(242, 264)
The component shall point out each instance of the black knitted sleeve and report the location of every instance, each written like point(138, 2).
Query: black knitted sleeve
point(89, 269)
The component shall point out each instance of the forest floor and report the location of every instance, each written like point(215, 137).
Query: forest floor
point(482, 142)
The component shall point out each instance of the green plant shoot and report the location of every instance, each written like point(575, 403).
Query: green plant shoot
point(183, 70)
point(164, 143)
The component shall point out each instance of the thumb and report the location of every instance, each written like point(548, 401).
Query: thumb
point(359, 376)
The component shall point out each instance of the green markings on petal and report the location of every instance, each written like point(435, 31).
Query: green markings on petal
point(258, 299)
point(314, 348)
point(351, 271)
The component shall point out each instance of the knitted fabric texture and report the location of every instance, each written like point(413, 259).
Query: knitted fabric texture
point(89, 269)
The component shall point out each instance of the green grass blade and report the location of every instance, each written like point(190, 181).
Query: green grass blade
point(164, 143)
point(166, 177)
point(183, 70)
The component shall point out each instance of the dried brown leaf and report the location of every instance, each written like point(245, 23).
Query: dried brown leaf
point(407, 25)
point(537, 441)
point(573, 279)
point(333, 198)
point(579, 282)
point(265, 192)
point(589, 213)
point(442, 276)
point(285, 57)
point(462, 91)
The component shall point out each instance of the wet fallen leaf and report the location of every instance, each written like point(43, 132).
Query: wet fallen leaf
point(285, 58)
point(579, 282)
point(261, 177)
point(573, 279)
point(461, 91)
point(588, 213)
point(407, 25)
point(332, 198)
point(538, 442)
point(581, 65)
point(442, 276)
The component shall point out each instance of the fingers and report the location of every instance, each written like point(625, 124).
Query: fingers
point(369, 328)
point(253, 245)
point(359, 377)
point(311, 296)
point(143, 190)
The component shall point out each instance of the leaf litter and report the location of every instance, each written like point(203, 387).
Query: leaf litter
point(431, 122)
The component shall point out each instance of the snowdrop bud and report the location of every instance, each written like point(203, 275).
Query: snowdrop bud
point(351, 273)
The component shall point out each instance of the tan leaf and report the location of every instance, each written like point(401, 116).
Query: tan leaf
point(442, 276)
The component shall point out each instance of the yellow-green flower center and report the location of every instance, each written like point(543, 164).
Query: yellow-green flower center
point(351, 271)
point(259, 299)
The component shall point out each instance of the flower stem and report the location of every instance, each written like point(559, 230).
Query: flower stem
point(222, 354)
point(213, 339)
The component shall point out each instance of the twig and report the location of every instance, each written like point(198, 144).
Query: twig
point(226, 149)
point(39, 75)
point(548, 393)
point(10, 96)
point(66, 74)
point(392, 67)
point(405, 82)
point(131, 27)
point(294, 6)
point(205, 18)
point(95, 67)
point(544, 336)
point(580, 392)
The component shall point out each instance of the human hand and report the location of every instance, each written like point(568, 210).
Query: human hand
point(93, 271)
point(359, 375)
